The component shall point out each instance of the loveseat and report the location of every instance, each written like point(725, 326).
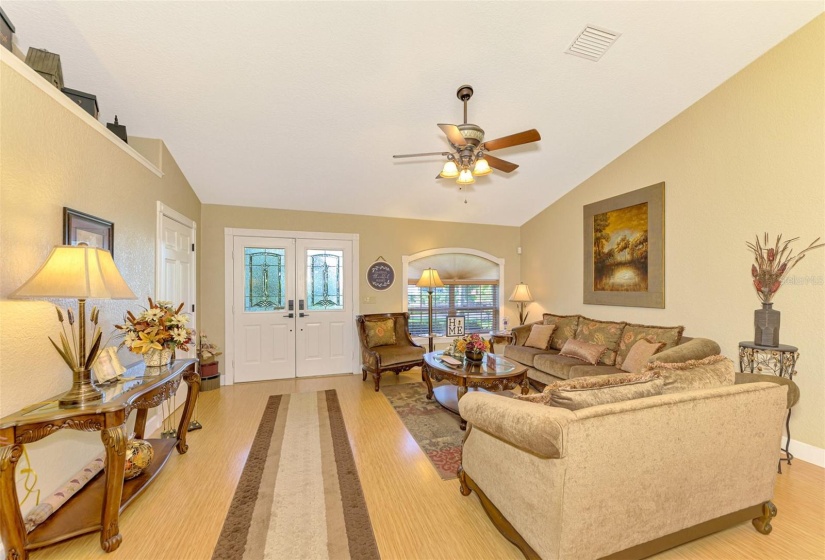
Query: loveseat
point(627, 479)
point(545, 365)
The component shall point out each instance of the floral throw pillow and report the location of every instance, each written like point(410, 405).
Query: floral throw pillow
point(604, 333)
point(380, 333)
point(565, 328)
point(668, 336)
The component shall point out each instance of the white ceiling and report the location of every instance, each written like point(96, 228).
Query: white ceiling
point(301, 105)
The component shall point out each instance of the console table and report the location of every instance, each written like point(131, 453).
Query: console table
point(97, 506)
point(777, 360)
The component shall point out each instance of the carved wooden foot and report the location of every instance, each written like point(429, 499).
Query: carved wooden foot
point(377, 378)
point(763, 523)
point(462, 478)
point(363, 375)
point(113, 542)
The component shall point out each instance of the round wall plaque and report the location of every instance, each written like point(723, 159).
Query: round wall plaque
point(380, 275)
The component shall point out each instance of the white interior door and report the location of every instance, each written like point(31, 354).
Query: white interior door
point(324, 322)
point(177, 274)
point(264, 292)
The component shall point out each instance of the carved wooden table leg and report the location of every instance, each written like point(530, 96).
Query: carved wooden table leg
point(525, 385)
point(12, 529)
point(425, 377)
point(140, 422)
point(114, 440)
point(193, 387)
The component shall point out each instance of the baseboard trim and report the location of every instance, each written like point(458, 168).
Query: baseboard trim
point(806, 452)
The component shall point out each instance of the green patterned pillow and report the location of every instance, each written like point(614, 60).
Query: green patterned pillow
point(565, 328)
point(668, 336)
point(605, 333)
point(380, 333)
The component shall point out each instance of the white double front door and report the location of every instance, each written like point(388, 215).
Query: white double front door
point(292, 307)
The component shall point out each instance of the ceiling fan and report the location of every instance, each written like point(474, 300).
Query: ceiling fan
point(470, 157)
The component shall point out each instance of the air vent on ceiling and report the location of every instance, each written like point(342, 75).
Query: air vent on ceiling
point(592, 43)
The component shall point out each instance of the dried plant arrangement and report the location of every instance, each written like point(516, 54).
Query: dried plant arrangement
point(774, 263)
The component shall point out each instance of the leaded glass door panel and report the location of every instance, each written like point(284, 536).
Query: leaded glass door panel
point(264, 289)
point(325, 333)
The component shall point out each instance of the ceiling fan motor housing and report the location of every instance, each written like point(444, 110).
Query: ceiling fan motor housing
point(472, 133)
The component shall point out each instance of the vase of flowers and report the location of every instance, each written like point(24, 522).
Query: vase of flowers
point(472, 346)
point(157, 332)
point(771, 267)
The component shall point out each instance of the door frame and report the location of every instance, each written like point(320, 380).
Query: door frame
point(229, 331)
point(164, 210)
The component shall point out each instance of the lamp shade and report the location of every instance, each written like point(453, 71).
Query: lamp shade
point(521, 294)
point(430, 279)
point(77, 273)
point(450, 170)
point(465, 177)
point(482, 167)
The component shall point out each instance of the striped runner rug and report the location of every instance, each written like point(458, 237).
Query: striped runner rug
point(299, 495)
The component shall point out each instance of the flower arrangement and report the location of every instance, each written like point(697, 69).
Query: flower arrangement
point(774, 263)
point(207, 351)
point(471, 343)
point(159, 327)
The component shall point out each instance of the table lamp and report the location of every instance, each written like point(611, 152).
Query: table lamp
point(79, 273)
point(521, 295)
point(429, 279)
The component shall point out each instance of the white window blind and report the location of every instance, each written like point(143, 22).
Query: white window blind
point(476, 302)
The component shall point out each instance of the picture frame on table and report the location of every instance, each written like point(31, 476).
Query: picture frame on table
point(107, 366)
point(79, 227)
point(455, 325)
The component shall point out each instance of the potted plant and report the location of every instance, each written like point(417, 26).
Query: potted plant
point(472, 346)
point(157, 332)
point(207, 352)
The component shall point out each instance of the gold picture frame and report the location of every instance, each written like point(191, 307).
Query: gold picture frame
point(624, 249)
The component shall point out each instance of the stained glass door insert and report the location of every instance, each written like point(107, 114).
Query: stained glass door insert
point(324, 278)
point(265, 279)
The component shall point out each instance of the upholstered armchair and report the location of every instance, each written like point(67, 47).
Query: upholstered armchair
point(386, 345)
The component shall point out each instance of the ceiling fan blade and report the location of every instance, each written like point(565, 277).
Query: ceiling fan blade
point(421, 155)
point(525, 137)
point(500, 164)
point(453, 134)
point(439, 176)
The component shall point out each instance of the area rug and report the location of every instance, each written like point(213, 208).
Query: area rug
point(299, 495)
point(434, 429)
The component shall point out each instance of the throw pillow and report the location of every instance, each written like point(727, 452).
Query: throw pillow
point(669, 336)
point(380, 333)
point(598, 389)
point(590, 353)
point(606, 333)
point(713, 371)
point(639, 354)
point(540, 336)
point(565, 328)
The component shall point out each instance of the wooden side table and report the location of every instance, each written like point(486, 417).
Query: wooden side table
point(776, 360)
point(502, 337)
point(97, 506)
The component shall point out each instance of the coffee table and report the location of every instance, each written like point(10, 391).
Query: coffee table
point(496, 376)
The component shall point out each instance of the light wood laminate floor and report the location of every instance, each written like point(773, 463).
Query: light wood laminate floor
point(414, 513)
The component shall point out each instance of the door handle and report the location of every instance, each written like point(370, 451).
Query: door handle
point(303, 314)
point(290, 316)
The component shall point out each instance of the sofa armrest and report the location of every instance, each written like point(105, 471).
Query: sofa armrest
point(793, 389)
point(521, 333)
point(539, 429)
point(694, 349)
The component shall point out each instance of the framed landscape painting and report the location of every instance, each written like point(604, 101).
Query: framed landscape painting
point(79, 227)
point(624, 242)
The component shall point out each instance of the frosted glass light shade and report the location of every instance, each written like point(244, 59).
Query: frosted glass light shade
point(465, 178)
point(450, 170)
point(521, 294)
point(482, 167)
point(430, 279)
point(76, 273)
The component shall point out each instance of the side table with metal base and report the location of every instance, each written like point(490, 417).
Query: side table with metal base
point(777, 360)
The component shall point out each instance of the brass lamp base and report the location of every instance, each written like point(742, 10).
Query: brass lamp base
point(82, 391)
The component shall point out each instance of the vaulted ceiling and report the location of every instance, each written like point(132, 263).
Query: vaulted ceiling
point(300, 105)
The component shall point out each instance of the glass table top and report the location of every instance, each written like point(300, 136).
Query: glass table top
point(491, 364)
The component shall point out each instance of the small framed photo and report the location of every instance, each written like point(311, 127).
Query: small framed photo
point(84, 228)
point(455, 325)
point(107, 366)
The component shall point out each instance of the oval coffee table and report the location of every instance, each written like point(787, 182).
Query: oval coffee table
point(495, 374)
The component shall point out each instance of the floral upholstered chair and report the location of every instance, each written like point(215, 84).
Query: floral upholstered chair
point(386, 345)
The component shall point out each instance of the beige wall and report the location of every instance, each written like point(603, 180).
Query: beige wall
point(747, 158)
point(50, 158)
point(386, 237)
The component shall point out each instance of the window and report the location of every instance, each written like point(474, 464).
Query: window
point(476, 302)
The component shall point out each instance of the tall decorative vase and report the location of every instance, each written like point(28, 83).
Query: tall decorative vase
point(157, 358)
point(766, 326)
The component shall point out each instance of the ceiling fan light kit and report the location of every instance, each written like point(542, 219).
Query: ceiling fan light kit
point(469, 157)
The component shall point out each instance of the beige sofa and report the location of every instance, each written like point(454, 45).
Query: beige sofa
point(624, 480)
point(545, 366)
